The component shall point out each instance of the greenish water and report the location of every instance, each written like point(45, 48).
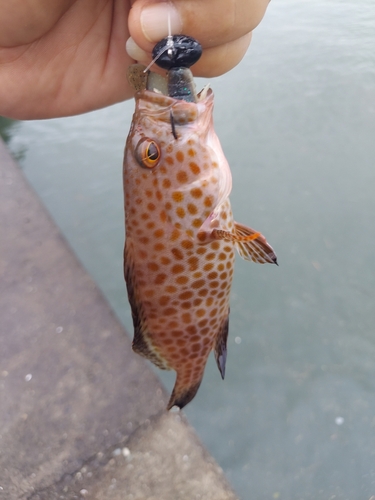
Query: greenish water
point(295, 417)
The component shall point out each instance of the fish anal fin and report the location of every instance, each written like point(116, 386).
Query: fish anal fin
point(221, 347)
point(141, 343)
point(251, 244)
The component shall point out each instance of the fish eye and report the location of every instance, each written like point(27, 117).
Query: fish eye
point(147, 153)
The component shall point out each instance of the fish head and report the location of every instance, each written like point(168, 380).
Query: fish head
point(174, 157)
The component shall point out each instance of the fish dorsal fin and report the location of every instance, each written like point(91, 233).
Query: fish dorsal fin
point(251, 244)
point(221, 347)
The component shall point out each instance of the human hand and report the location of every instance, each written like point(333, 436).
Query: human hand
point(67, 57)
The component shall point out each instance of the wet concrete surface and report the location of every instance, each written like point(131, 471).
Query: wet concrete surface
point(81, 416)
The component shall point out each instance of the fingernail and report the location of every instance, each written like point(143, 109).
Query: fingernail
point(135, 52)
point(154, 21)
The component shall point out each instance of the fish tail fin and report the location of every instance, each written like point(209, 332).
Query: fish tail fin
point(184, 390)
point(250, 244)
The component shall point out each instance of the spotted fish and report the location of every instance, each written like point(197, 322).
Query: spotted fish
point(181, 237)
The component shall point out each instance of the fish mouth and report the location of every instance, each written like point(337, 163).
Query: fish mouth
point(142, 79)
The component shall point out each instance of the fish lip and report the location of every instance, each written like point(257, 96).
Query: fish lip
point(166, 101)
point(160, 107)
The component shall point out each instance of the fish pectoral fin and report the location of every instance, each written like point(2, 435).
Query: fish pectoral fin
point(221, 347)
point(250, 244)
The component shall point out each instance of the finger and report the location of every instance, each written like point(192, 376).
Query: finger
point(214, 61)
point(211, 22)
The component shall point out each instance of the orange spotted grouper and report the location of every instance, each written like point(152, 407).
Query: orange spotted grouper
point(180, 237)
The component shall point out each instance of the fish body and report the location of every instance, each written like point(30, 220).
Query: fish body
point(180, 237)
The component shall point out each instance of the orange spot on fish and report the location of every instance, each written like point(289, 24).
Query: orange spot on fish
point(177, 253)
point(175, 235)
point(178, 196)
point(201, 250)
point(177, 269)
point(198, 284)
point(212, 275)
point(186, 305)
point(169, 311)
point(180, 212)
point(159, 247)
point(166, 183)
point(208, 201)
point(159, 233)
point(191, 152)
point(192, 209)
point(182, 177)
point(151, 207)
point(193, 263)
point(152, 266)
point(160, 279)
point(163, 300)
point(197, 223)
point(196, 192)
point(165, 260)
point(185, 295)
point(169, 160)
point(194, 168)
point(182, 280)
point(180, 156)
point(187, 244)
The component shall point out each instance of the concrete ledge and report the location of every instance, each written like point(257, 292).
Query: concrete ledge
point(81, 416)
